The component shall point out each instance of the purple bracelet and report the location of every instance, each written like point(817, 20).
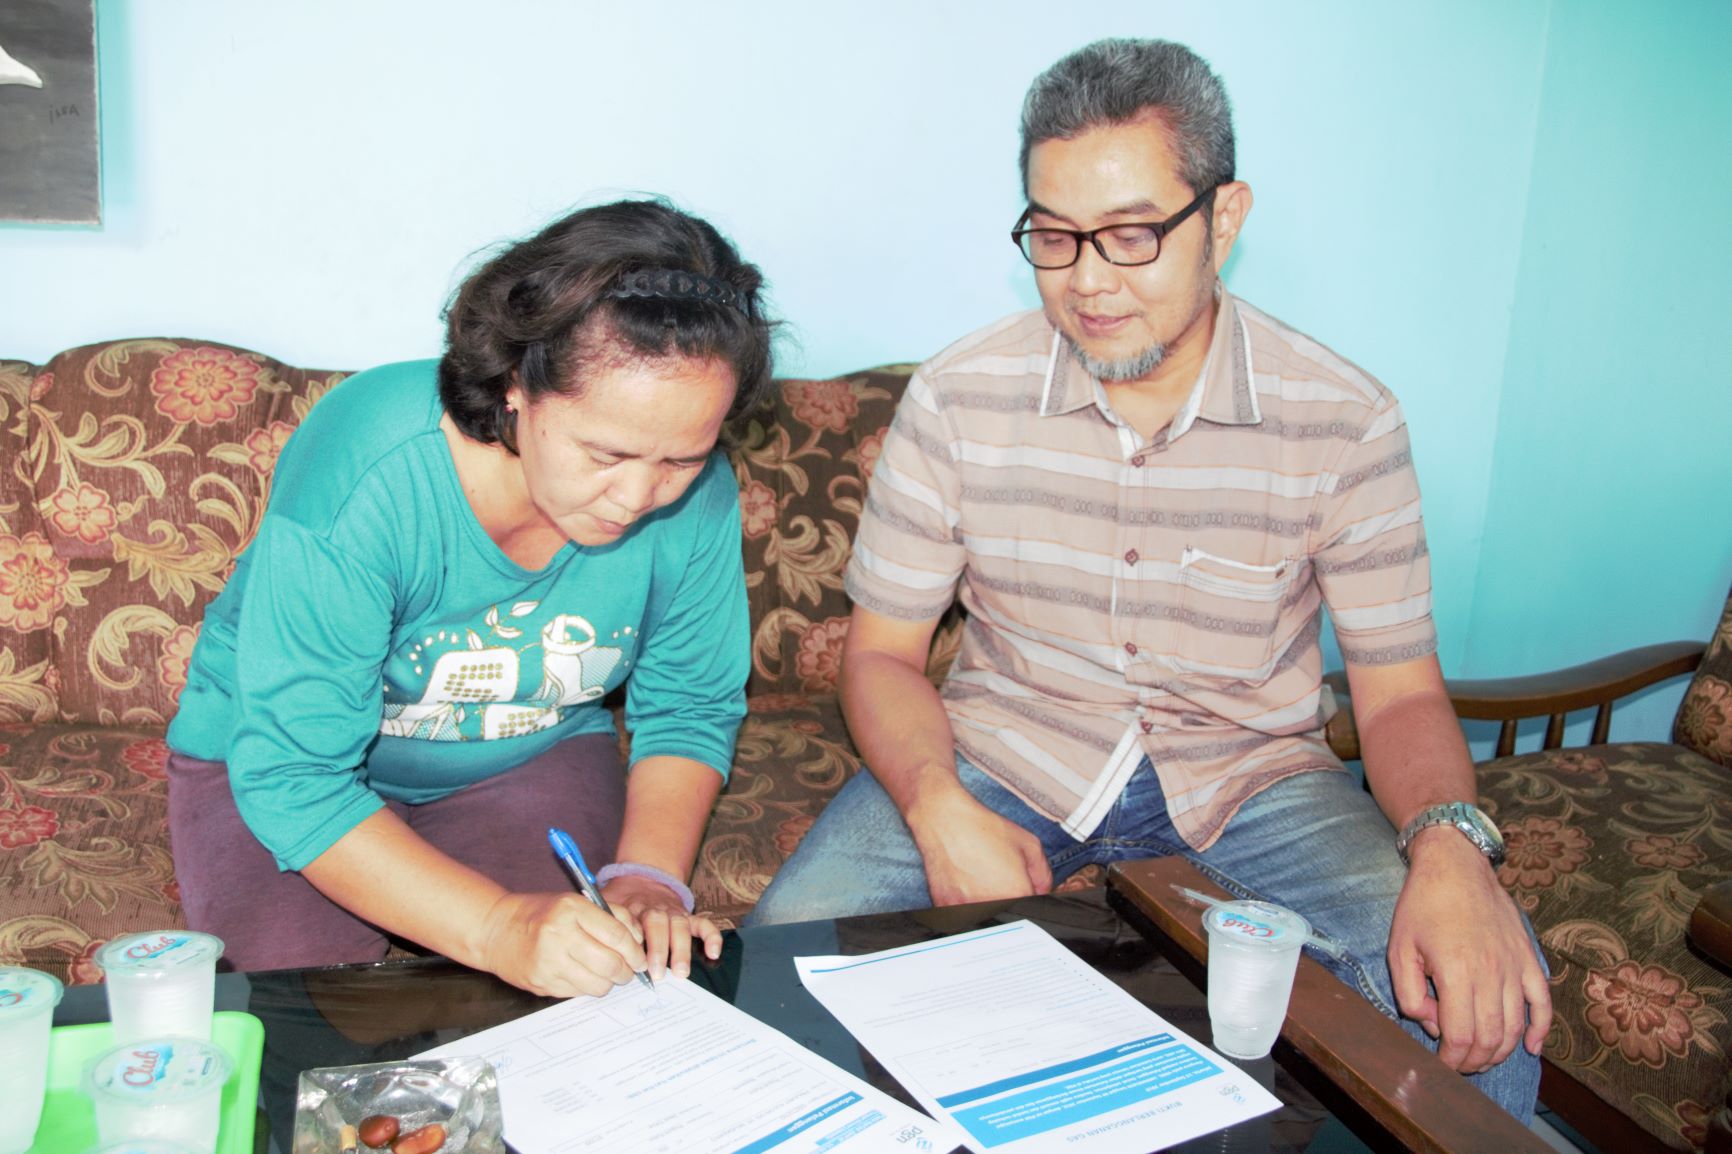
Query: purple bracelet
point(631, 869)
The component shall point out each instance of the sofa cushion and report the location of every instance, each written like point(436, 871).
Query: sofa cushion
point(151, 464)
point(83, 843)
point(1609, 848)
point(29, 572)
point(1704, 720)
point(803, 464)
point(792, 757)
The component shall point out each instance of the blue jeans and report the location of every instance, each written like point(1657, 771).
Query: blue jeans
point(1314, 842)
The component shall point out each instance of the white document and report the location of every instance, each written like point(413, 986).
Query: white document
point(678, 1070)
point(1027, 1048)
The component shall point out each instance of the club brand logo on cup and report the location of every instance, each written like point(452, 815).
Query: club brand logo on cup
point(1248, 927)
point(160, 1087)
point(159, 1070)
point(1240, 924)
point(149, 948)
point(145, 1066)
point(155, 953)
point(26, 993)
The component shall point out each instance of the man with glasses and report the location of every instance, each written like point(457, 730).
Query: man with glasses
point(1147, 490)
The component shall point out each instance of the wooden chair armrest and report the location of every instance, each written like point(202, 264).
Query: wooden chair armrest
point(1333, 1041)
point(1596, 684)
point(1584, 686)
point(1711, 924)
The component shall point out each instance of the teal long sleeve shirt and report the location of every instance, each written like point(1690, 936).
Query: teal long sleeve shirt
point(375, 643)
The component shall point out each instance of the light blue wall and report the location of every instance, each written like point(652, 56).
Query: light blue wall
point(1610, 518)
point(310, 180)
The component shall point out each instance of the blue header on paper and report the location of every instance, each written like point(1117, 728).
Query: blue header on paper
point(1074, 1100)
point(804, 1122)
point(1058, 1070)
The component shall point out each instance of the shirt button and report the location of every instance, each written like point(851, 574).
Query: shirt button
point(1131, 557)
point(1137, 460)
point(1148, 726)
point(1131, 648)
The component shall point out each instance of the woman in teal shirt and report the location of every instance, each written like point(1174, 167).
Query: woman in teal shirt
point(400, 689)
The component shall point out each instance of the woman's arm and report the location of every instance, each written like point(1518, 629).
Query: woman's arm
point(684, 704)
point(558, 945)
point(667, 802)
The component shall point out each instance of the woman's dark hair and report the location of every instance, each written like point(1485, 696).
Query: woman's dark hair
point(547, 309)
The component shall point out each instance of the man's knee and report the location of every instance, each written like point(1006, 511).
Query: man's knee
point(857, 858)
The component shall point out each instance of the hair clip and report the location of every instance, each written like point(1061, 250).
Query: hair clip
point(676, 284)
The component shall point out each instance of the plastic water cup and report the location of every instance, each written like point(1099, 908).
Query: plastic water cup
point(169, 1089)
point(161, 983)
point(1253, 954)
point(27, 1001)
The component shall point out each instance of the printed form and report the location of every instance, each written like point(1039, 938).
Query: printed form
point(1027, 1048)
point(678, 1070)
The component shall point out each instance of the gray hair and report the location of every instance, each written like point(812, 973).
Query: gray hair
point(1120, 80)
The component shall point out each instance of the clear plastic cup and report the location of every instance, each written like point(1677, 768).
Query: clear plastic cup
point(143, 1146)
point(161, 983)
point(163, 1088)
point(27, 1001)
point(1253, 954)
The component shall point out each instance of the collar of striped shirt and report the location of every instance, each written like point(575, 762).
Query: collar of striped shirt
point(1223, 391)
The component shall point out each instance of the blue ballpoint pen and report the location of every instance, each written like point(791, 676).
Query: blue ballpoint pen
point(564, 846)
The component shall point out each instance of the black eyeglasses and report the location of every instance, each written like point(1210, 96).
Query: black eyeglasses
point(1125, 244)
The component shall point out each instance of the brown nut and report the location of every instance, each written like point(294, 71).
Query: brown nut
point(379, 1129)
point(423, 1141)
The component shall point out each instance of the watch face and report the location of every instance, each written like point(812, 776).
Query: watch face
point(1484, 831)
point(1471, 821)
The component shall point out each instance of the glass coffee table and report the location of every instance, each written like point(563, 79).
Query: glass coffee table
point(346, 1015)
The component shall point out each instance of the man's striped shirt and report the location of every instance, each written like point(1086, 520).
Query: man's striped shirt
point(1160, 596)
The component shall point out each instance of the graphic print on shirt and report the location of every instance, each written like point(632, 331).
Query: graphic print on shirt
point(471, 687)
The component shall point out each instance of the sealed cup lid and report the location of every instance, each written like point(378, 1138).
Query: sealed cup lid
point(144, 1146)
point(25, 993)
point(159, 1071)
point(1256, 924)
point(159, 951)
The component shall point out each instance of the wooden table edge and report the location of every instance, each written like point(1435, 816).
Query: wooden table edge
point(1358, 1062)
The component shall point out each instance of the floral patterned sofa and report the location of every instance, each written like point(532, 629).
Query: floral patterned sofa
point(1621, 856)
point(131, 475)
point(1619, 853)
point(133, 472)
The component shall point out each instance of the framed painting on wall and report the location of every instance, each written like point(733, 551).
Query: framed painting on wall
point(50, 167)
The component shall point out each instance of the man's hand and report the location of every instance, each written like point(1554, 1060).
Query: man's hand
point(656, 912)
point(973, 855)
point(1457, 925)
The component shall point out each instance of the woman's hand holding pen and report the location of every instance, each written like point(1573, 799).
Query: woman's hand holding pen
point(560, 945)
point(656, 914)
point(557, 944)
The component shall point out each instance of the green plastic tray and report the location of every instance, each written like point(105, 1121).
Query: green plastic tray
point(69, 1120)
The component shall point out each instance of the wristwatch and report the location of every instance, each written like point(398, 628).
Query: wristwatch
point(1469, 819)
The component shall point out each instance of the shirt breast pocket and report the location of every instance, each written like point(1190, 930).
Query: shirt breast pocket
point(1229, 613)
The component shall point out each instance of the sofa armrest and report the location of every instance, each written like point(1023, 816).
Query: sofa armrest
point(1711, 924)
point(1585, 686)
point(1341, 732)
point(1594, 684)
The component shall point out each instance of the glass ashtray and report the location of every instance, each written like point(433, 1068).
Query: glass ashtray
point(460, 1094)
